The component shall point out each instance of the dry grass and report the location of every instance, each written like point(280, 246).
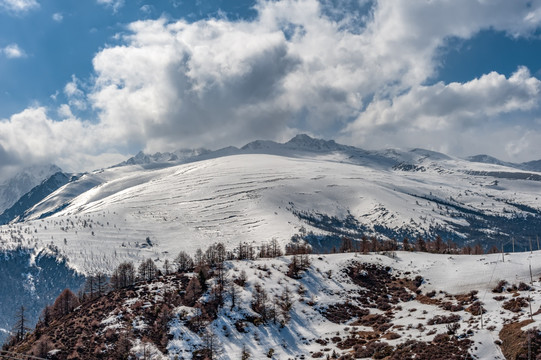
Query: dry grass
point(513, 339)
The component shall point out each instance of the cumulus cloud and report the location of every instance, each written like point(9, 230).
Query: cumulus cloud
point(293, 67)
point(455, 104)
point(441, 116)
point(13, 51)
point(297, 66)
point(18, 7)
point(32, 136)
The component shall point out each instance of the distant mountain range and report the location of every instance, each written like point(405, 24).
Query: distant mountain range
point(34, 196)
point(13, 188)
point(167, 157)
point(36, 203)
point(303, 142)
point(487, 159)
point(400, 193)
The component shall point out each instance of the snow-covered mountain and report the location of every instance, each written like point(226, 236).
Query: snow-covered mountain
point(532, 165)
point(14, 187)
point(166, 158)
point(32, 279)
point(34, 196)
point(309, 188)
point(487, 159)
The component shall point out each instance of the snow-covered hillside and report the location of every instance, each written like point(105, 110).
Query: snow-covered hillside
point(268, 190)
point(396, 306)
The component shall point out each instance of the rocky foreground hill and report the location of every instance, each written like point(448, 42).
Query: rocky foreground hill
point(394, 305)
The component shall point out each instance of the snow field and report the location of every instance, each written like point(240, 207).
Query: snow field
point(445, 276)
point(108, 214)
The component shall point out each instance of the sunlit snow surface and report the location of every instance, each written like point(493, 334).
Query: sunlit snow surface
point(445, 274)
point(105, 217)
point(326, 283)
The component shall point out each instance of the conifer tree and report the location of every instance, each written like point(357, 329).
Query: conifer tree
point(21, 324)
point(123, 276)
point(420, 245)
point(64, 303)
point(184, 262)
point(406, 244)
point(147, 270)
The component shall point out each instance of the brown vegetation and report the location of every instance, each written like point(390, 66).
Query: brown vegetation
point(516, 343)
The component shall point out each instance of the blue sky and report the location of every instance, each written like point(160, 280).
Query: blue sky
point(60, 38)
point(85, 83)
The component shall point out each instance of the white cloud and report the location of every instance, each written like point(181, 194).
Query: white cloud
point(292, 67)
point(33, 137)
point(146, 9)
point(13, 51)
point(18, 7)
point(444, 105)
point(55, 95)
point(438, 116)
point(216, 82)
point(58, 17)
point(113, 4)
point(64, 112)
point(76, 97)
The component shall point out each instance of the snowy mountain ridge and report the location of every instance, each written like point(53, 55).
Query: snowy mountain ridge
point(534, 165)
point(34, 196)
point(163, 158)
point(302, 144)
point(267, 189)
point(12, 188)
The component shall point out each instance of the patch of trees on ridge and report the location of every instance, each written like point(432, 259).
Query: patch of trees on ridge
point(204, 265)
point(436, 246)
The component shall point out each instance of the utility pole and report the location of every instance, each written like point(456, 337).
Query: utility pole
point(531, 277)
point(513, 239)
point(503, 258)
point(530, 238)
point(537, 236)
point(530, 302)
point(481, 311)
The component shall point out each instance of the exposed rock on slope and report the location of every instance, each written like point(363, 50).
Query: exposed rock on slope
point(351, 306)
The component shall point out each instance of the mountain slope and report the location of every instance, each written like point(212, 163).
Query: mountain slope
point(16, 186)
point(396, 306)
point(312, 185)
point(313, 189)
point(487, 159)
point(33, 197)
point(32, 279)
point(532, 165)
